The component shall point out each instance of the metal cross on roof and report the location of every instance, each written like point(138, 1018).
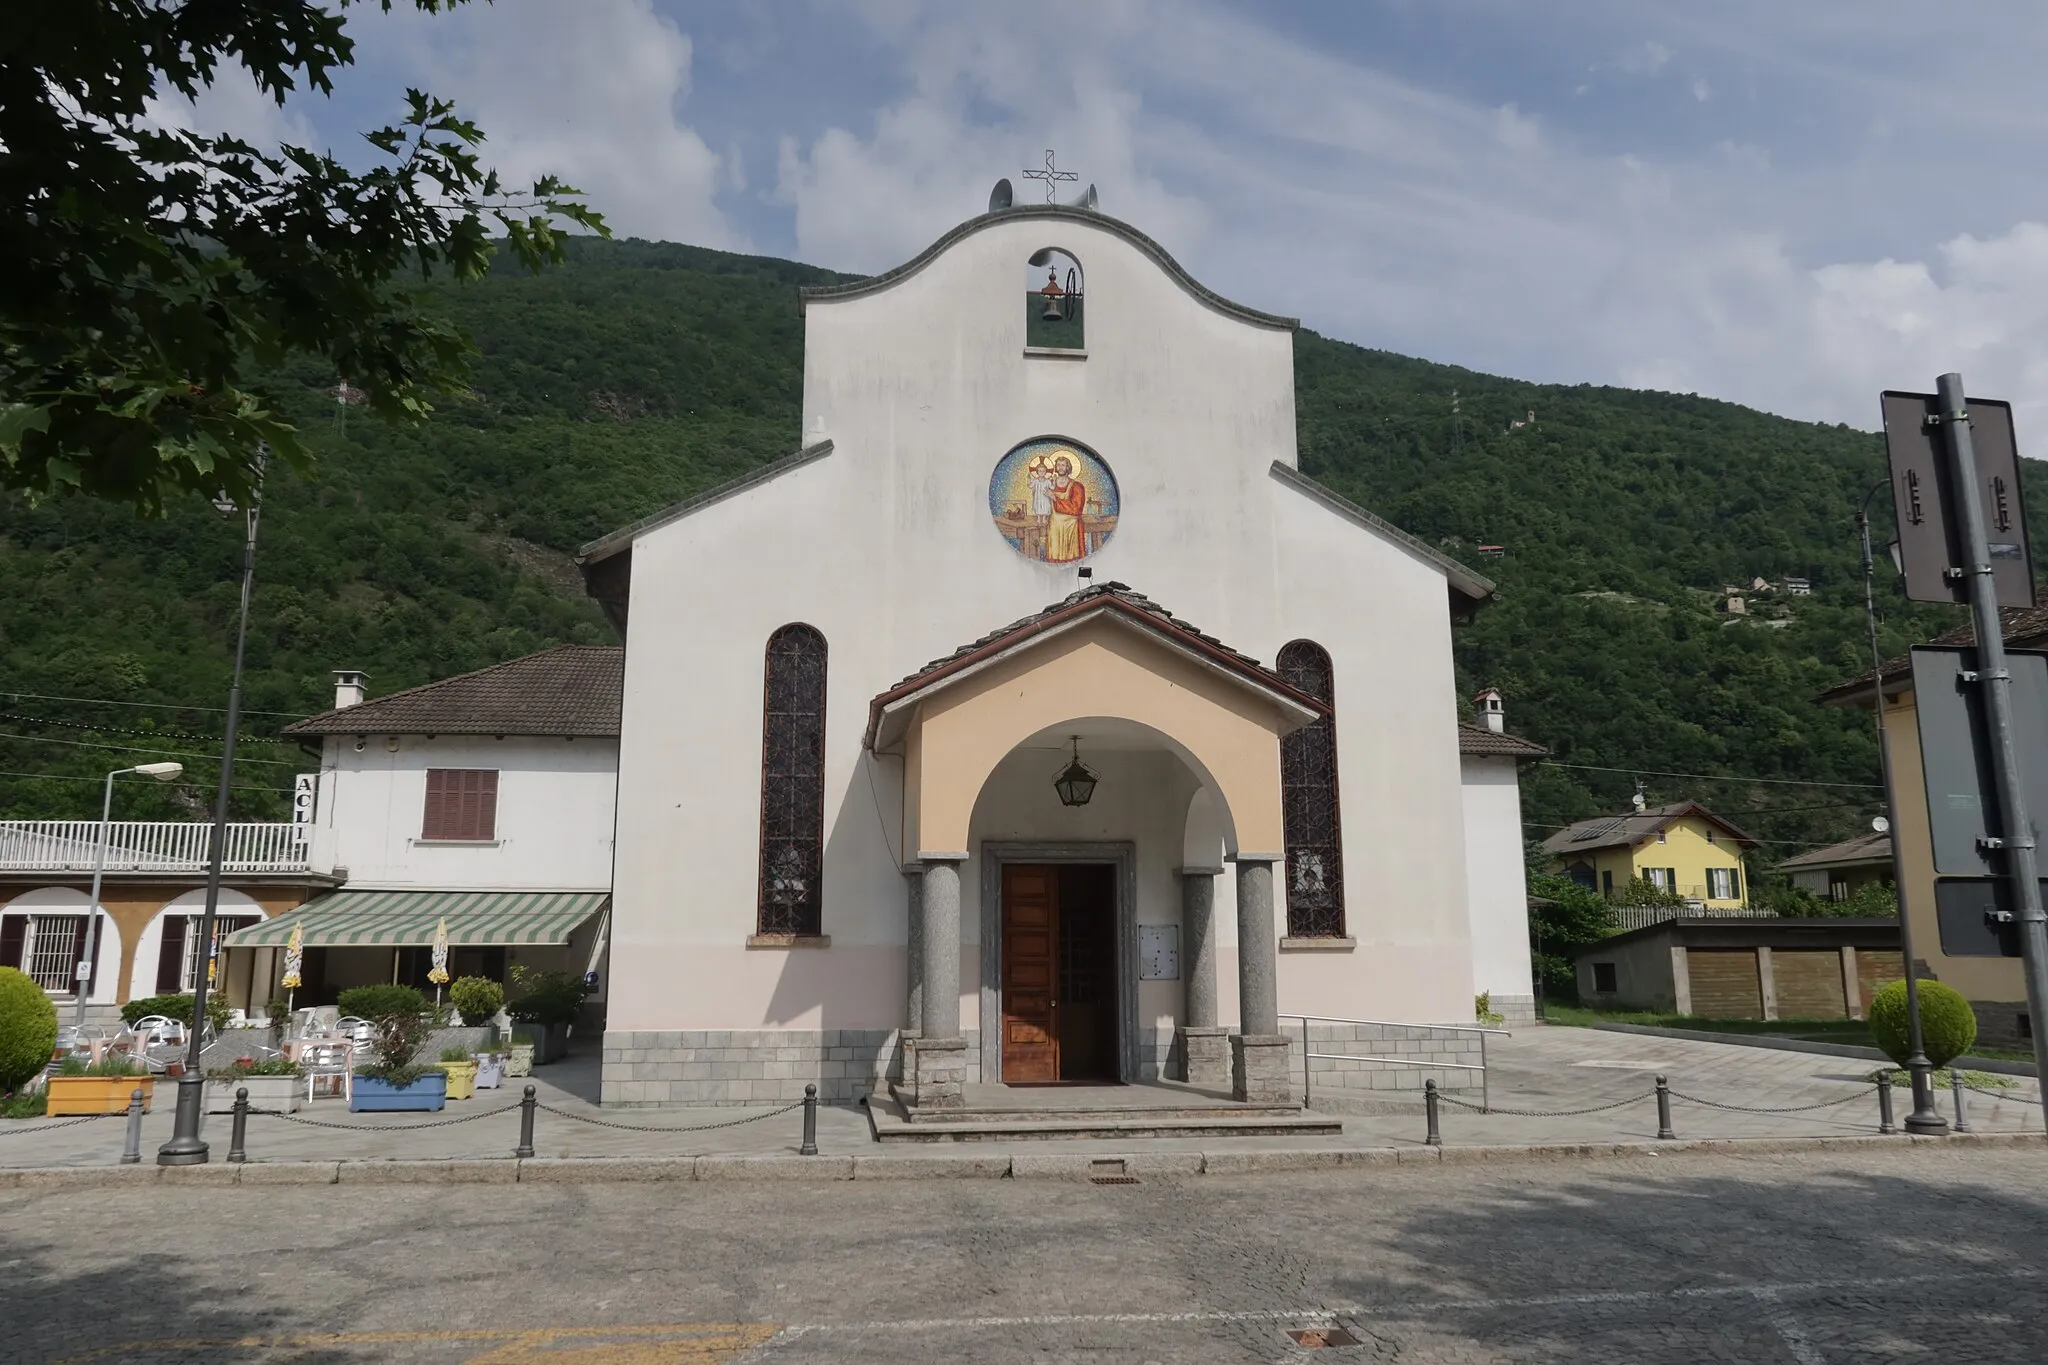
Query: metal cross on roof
point(1050, 175)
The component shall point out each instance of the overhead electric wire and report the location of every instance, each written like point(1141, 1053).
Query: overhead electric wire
point(1710, 777)
point(156, 705)
point(137, 749)
point(129, 730)
point(72, 777)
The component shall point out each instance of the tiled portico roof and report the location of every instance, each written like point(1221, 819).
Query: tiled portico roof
point(1479, 742)
point(2025, 628)
point(1100, 597)
point(570, 690)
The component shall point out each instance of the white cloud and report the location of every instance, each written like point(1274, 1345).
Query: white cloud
point(591, 92)
point(1701, 91)
point(234, 106)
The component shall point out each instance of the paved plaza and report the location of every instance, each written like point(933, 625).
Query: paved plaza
point(1539, 1069)
point(1812, 1258)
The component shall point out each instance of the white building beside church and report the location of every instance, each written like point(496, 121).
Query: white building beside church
point(917, 769)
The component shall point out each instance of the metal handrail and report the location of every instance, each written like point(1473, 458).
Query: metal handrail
point(1485, 1091)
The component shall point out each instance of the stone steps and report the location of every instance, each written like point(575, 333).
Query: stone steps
point(893, 1121)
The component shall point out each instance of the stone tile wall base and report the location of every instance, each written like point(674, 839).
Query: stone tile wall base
point(1203, 1056)
point(1258, 1069)
point(1998, 1023)
point(938, 1072)
point(1516, 1011)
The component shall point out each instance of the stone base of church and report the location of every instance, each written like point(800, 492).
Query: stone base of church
point(1258, 1069)
point(936, 1072)
point(1515, 1010)
point(646, 1068)
point(1203, 1056)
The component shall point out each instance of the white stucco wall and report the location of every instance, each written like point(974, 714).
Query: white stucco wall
point(886, 546)
point(1498, 875)
point(149, 944)
point(554, 824)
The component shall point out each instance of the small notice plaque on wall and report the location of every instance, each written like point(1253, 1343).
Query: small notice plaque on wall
point(1159, 952)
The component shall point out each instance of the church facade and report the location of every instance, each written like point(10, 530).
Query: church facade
point(1037, 720)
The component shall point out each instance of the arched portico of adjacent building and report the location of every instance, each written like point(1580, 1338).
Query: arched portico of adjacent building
point(1104, 663)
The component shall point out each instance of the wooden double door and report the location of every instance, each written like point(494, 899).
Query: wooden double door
point(1059, 973)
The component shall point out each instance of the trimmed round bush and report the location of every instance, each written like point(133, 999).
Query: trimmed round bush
point(1947, 1023)
point(478, 997)
point(381, 1002)
point(28, 1028)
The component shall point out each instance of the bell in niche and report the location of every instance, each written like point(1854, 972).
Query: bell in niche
point(1052, 293)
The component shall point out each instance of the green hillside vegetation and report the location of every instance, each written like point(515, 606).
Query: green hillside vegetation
point(644, 372)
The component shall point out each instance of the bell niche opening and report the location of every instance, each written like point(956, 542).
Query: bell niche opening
point(1053, 313)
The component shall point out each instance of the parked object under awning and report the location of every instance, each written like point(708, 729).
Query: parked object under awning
point(403, 919)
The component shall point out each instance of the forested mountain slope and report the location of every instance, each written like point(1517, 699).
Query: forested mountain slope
point(643, 372)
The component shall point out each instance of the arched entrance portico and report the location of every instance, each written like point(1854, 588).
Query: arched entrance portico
point(975, 729)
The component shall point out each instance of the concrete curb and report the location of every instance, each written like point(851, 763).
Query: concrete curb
point(1995, 1065)
point(1069, 1166)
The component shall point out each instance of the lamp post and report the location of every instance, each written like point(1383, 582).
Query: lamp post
point(186, 1147)
point(82, 978)
point(1925, 1118)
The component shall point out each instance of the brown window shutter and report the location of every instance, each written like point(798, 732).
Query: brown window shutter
point(462, 803)
point(487, 805)
point(171, 961)
point(13, 937)
point(434, 824)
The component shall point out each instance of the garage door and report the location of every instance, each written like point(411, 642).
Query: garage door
point(1809, 984)
point(1724, 983)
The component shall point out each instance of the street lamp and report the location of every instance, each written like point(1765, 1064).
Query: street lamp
point(1925, 1118)
point(185, 1147)
point(82, 978)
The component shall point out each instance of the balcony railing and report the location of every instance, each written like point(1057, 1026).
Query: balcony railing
point(149, 846)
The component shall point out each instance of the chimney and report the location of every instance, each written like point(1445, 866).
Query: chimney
point(349, 687)
point(1491, 714)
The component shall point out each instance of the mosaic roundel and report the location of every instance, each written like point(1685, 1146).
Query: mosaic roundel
point(1054, 500)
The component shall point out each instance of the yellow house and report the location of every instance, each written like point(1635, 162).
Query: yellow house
point(1683, 847)
point(1994, 986)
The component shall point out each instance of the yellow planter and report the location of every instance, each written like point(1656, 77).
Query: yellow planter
point(461, 1079)
point(97, 1094)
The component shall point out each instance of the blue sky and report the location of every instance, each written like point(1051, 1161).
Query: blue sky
point(1792, 203)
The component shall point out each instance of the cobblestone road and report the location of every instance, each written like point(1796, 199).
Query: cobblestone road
point(1813, 1259)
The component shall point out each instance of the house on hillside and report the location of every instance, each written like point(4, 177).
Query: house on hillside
point(1993, 985)
point(1682, 848)
point(1839, 871)
point(484, 800)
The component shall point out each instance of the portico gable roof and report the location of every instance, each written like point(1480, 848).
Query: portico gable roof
point(890, 712)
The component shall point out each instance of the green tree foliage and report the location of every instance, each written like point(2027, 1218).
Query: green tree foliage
point(1947, 1023)
point(1563, 917)
point(153, 275)
point(28, 1028)
point(1872, 900)
point(641, 373)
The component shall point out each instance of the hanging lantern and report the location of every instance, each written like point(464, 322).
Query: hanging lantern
point(1052, 292)
point(1076, 782)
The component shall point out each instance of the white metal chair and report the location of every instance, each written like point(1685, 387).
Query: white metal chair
point(157, 1030)
point(355, 1030)
point(328, 1059)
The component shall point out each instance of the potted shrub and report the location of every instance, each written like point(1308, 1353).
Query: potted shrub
point(549, 1003)
point(392, 1078)
point(102, 1087)
point(460, 1067)
point(28, 1030)
point(480, 999)
point(519, 1057)
point(272, 1082)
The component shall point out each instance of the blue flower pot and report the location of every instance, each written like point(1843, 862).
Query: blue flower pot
point(373, 1096)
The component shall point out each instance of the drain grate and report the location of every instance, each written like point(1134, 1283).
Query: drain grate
point(1315, 1338)
point(1110, 1171)
point(1112, 1180)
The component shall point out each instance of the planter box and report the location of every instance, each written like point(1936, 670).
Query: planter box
point(97, 1094)
point(372, 1096)
point(550, 1041)
point(490, 1070)
point(461, 1078)
point(286, 1093)
point(520, 1062)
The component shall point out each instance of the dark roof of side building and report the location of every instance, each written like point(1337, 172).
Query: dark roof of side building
point(2025, 628)
point(570, 690)
point(1630, 827)
point(1863, 850)
point(1479, 742)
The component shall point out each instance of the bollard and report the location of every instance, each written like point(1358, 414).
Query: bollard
point(1432, 1138)
point(1884, 1103)
point(131, 1150)
point(810, 1147)
point(238, 1139)
point(1955, 1086)
point(525, 1147)
point(1664, 1129)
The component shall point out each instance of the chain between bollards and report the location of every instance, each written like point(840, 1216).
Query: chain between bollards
point(131, 1150)
point(526, 1108)
point(1885, 1126)
point(1432, 1138)
point(1665, 1132)
point(238, 1139)
point(1956, 1088)
point(810, 1147)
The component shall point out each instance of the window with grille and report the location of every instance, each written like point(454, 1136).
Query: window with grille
point(52, 948)
point(186, 937)
point(793, 782)
point(1308, 796)
point(462, 805)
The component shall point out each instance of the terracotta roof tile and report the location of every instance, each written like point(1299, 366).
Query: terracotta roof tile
point(2025, 628)
point(1864, 848)
point(1479, 741)
point(567, 690)
point(1615, 831)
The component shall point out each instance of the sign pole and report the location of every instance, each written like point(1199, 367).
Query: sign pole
point(2016, 831)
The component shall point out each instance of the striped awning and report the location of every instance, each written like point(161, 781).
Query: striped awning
point(401, 919)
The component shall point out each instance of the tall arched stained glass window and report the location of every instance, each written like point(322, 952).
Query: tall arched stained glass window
point(793, 782)
point(1308, 795)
